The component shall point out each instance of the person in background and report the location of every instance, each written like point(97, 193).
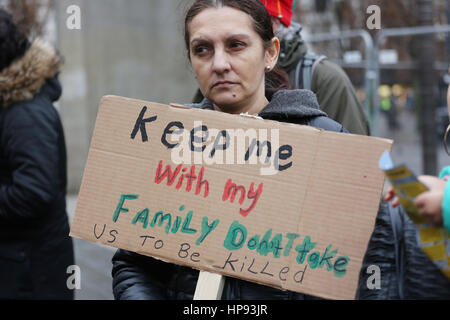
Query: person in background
point(334, 90)
point(35, 247)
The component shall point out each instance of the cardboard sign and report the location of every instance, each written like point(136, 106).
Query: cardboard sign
point(283, 205)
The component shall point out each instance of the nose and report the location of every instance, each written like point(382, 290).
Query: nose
point(220, 63)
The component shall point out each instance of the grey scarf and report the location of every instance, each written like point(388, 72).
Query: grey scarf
point(285, 105)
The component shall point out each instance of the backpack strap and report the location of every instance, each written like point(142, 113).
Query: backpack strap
point(305, 70)
point(397, 228)
point(318, 60)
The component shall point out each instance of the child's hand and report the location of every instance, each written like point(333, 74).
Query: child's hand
point(430, 202)
point(430, 206)
point(432, 182)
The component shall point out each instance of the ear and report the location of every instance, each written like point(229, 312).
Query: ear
point(272, 53)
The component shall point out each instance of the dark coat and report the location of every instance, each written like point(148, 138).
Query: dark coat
point(420, 278)
point(35, 249)
point(140, 277)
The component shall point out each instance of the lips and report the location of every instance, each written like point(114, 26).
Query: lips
point(223, 84)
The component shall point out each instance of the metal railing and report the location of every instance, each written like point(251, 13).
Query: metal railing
point(371, 64)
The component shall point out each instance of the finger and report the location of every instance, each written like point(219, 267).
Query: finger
point(423, 198)
point(432, 182)
point(420, 200)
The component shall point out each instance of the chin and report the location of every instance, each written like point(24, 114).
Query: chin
point(226, 102)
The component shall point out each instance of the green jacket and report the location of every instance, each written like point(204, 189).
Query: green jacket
point(334, 90)
point(337, 97)
point(446, 200)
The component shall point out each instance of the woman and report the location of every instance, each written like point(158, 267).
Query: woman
point(232, 50)
point(35, 249)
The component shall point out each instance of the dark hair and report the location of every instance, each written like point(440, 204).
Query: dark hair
point(275, 80)
point(13, 43)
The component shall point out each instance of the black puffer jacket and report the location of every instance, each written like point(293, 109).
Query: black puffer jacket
point(420, 278)
point(35, 249)
point(140, 277)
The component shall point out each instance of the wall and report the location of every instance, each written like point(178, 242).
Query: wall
point(130, 48)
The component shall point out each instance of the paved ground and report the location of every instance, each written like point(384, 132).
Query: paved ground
point(94, 259)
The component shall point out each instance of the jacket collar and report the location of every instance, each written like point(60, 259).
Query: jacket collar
point(25, 77)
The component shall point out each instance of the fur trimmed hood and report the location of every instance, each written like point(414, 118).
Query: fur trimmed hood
point(24, 78)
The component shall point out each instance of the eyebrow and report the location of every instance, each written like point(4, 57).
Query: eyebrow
point(239, 35)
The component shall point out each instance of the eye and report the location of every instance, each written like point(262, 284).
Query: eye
point(201, 50)
point(237, 45)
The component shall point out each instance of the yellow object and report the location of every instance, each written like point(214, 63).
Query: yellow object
point(384, 91)
point(446, 272)
point(430, 234)
point(435, 252)
point(397, 90)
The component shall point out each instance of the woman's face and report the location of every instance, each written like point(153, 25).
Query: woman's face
point(228, 58)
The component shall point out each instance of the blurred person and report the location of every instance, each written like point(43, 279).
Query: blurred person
point(233, 52)
point(35, 249)
point(410, 100)
point(334, 90)
point(306, 70)
point(388, 106)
